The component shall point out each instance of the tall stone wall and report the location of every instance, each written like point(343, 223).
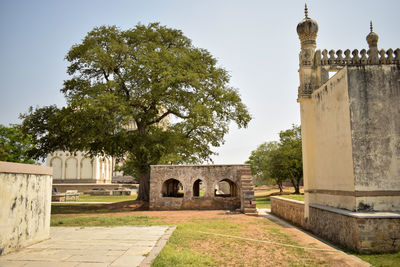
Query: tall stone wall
point(25, 203)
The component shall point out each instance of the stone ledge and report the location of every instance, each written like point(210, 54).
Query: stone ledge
point(12, 167)
point(288, 199)
point(360, 215)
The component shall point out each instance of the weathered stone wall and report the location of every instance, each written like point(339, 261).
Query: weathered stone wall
point(366, 232)
point(288, 209)
point(361, 232)
point(374, 93)
point(25, 202)
point(209, 175)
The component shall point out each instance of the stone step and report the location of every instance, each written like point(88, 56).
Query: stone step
point(250, 210)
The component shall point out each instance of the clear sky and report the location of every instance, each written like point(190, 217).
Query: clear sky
point(255, 40)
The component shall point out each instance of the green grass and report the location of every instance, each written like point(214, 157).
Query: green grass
point(381, 260)
point(294, 197)
point(82, 209)
point(104, 221)
point(89, 198)
point(263, 202)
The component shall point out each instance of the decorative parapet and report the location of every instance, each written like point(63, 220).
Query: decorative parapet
point(364, 57)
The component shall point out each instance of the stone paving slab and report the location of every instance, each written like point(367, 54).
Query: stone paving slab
point(90, 247)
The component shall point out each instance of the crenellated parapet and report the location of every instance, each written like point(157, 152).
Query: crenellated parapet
point(363, 57)
point(315, 65)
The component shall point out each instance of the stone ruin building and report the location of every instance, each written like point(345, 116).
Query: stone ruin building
point(202, 187)
point(351, 142)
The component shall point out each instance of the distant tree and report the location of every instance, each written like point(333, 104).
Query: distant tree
point(14, 145)
point(260, 160)
point(278, 162)
point(140, 76)
point(290, 153)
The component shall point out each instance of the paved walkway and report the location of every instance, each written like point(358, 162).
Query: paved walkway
point(92, 246)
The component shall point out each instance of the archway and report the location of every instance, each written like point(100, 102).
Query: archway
point(198, 188)
point(225, 188)
point(172, 188)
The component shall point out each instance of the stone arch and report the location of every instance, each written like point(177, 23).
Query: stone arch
point(71, 168)
point(172, 188)
point(226, 188)
point(86, 168)
point(56, 163)
point(198, 188)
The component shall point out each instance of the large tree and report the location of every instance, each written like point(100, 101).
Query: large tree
point(139, 77)
point(14, 145)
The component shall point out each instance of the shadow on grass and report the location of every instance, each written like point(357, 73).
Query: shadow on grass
point(132, 205)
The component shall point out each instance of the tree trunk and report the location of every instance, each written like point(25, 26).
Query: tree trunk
point(280, 187)
point(144, 186)
point(296, 185)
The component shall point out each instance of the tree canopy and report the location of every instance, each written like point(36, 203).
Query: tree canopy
point(280, 161)
point(14, 145)
point(141, 77)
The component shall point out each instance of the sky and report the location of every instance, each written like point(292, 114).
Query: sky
point(255, 40)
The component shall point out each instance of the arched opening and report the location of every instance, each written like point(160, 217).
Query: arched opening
point(57, 169)
point(86, 168)
point(225, 188)
point(198, 188)
point(172, 188)
point(71, 168)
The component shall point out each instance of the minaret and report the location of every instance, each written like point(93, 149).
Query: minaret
point(307, 30)
point(372, 40)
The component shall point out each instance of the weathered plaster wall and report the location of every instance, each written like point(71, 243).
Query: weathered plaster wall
point(375, 123)
point(25, 202)
point(210, 175)
point(333, 164)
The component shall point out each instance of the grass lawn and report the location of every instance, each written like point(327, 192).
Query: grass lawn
point(382, 260)
point(294, 197)
point(89, 198)
point(263, 201)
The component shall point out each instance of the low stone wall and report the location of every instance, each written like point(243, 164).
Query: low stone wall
point(25, 202)
point(288, 209)
point(364, 232)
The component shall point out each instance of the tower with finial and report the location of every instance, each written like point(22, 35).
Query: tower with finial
point(307, 30)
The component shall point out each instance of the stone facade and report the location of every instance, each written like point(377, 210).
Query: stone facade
point(202, 187)
point(25, 202)
point(289, 209)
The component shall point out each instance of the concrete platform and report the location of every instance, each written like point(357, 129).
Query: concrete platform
point(92, 246)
